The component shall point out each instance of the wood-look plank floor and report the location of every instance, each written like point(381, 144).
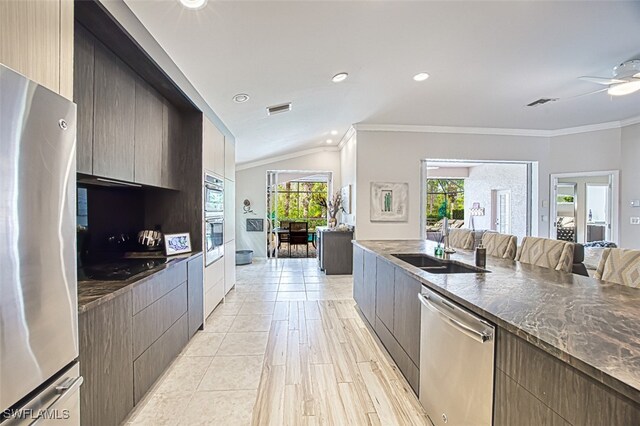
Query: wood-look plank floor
point(321, 364)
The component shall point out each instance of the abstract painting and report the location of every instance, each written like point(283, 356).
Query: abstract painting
point(389, 202)
point(346, 198)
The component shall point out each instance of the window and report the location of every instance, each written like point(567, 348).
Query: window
point(445, 197)
point(299, 201)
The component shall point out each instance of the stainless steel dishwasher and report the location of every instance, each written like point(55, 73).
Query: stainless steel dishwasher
point(456, 363)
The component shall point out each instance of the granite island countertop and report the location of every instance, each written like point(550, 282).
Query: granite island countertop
point(589, 324)
point(92, 293)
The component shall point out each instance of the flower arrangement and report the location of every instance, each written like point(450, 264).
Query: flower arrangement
point(333, 206)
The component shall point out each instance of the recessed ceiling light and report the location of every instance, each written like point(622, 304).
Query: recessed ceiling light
point(194, 4)
point(329, 140)
point(241, 97)
point(421, 76)
point(342, 76)
point(334, 132)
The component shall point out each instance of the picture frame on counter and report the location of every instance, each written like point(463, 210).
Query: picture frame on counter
point(177, 243)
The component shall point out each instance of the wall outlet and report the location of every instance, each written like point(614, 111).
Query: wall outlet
point(635, 203)
point(545, 204)
point(635, 220)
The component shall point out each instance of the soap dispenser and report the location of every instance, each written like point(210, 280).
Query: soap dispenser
point(481, 256)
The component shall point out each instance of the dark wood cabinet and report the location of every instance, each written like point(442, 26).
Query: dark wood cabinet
point(114, 116)
point(534, 388)
point(195, 272)
point(83, 64)
point(106, 362)
point(148, 135)
point(358, 275)
point(406, 314)
point(335, 251)
point(385, 292)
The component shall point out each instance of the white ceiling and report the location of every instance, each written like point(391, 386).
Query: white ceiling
point(486, 59)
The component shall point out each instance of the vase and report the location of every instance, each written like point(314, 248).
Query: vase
point(332, 222)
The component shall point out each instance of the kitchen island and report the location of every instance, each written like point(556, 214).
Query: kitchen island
point(567, 346)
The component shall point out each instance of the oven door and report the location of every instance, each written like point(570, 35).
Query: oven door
point(213, 196)
point(214, 237)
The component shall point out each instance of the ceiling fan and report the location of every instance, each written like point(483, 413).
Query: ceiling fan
point(625, 80)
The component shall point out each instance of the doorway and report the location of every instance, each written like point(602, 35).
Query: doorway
point(294, 211)
point(585, 205)
point(502, 211)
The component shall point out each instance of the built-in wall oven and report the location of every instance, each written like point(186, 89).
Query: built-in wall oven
point(214, 238)
point(213, 196)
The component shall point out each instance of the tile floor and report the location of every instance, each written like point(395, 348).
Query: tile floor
point(287, 347)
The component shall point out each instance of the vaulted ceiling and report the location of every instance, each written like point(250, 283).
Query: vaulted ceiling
point(486, 61)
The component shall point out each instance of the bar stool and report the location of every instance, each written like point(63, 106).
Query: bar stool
point(620, 266)
point(552, 254)
point(504, 246)
point(461, 238)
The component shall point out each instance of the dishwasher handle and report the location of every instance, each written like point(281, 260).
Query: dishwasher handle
point(479, 336)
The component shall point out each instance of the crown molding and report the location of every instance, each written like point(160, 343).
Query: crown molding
point(346, 137)
point(450, 129)
point(497, 131)
point(269, 160)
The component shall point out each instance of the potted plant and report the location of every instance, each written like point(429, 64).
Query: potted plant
point(333, 206)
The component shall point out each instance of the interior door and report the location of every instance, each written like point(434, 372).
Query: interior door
point(598, 212)
point(503, 211)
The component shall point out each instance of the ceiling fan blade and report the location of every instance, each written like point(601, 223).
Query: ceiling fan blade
point(601, 80)
point(585, 94)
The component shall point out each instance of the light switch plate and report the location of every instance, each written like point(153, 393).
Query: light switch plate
point(634, 220)
point(544, 217)
point(545, 203)
point(635, 203)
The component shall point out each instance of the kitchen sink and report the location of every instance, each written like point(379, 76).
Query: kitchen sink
point(434, 265)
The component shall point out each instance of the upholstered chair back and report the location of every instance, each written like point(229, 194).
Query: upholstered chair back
point(503, 246)
point(552, 254)
point(620, 266)
point(461, 238)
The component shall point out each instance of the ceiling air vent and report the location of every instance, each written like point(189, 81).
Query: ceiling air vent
point(541, 101)
point(277, 109)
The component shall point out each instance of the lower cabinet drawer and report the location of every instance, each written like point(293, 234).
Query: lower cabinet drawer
point(152, 363)
point(212, 297)
point(408, 369)
point(150, 323)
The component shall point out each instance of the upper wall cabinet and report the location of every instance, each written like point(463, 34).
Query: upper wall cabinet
point(229, 159)
point(36, 40)
point(212, 148)
point(126, 129)
point(84, 66)
point(148, 135)
point(113, 117)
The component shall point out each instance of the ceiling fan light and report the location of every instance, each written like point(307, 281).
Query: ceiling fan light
point(622, 89)
point(194, 4)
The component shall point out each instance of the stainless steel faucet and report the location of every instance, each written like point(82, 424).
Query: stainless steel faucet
point(445, 236)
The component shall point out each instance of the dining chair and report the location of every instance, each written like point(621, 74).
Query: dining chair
point(504, 246)
point(547, 253)
point(620, 266)
point(298, 235)
point(461, 238)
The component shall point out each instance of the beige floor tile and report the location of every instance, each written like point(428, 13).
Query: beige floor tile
point(291, 296)
point(323, 294)
point(235, 296)
point(245, 323)
point(293, 279)
point(256, 287)
point(218, 323)
point(315, 287)
point(228, 408)
point(228, 308)
point(315, 280)
point(264, 296)
point(161, 409)
point(184, 375)
point(291, 287)
point(204, 344)
point(232, 373)
point(257, 308)
point(253, 343)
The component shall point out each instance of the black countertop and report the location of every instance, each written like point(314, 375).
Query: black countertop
point(92, 293)
point(587, 323)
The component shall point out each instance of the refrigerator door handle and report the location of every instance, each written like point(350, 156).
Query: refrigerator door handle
point(64, 390)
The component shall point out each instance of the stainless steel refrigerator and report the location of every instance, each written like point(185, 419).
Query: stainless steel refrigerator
point(39, 375)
